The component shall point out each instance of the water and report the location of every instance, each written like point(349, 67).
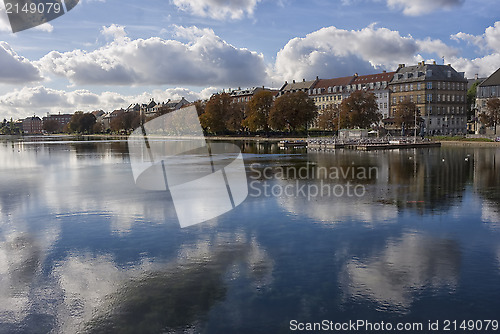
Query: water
point(82, 249)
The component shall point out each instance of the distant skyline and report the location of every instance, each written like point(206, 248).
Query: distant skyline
point(106, 54)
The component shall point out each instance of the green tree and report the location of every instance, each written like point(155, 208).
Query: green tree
point(471, 99)
point(491, 116)
point(259, 108)
point(361, 109)
point(292, 111)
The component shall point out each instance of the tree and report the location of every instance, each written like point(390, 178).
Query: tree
point(234, 117)
point(405, 114)
point(81, 122)
point(471, 99)
point(491, 116)
point(361, 109)
point(329, 119)
point(213, 119)
point(259, 108)
point(52, 126)
point(292, 111)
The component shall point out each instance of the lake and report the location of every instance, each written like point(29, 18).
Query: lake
point(323, 239)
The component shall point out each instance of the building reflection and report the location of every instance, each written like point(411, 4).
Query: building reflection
point(394, 276)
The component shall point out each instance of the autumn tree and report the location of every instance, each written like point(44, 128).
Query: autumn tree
point(215, 111)
point(329, 119)
point(491, 116)
point(234, 117)
point(405, 114)
point(259, 108)
point(81, 122)
point(51, 126)
point(360, 109)
point(292, 111)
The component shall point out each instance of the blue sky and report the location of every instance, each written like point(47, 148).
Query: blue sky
point(106, 54)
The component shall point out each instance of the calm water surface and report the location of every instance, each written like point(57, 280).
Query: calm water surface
point(82, 249)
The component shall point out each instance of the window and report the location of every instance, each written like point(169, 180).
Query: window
point(429, 85)
point(439, 85)
point(406, 87)
point(429, 97)
point(394, 101)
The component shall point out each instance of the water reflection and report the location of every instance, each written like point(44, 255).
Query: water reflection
point(405, 267)
point(83, 249)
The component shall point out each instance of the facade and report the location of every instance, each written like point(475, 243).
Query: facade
point(439, 92)
point(62, 119)
point(32, 125)
point(489, 88)
point(378, 84)
point(330, 91)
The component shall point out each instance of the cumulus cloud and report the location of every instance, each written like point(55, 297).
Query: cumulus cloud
point(204, 60)
point(217, 9)
point(489, 41)
point(488, 45)
point(114, 32)
point(21, 103)
point(15, 69)
point(421, 7)
point(334, 52)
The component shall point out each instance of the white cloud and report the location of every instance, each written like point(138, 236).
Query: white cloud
point(489, 41)
point(421, 7)
point(23, 102)
point(47, 27)
point(115, 32)
point(204, 60)
point(489, 49)
point(15, 69)
point(332, 52)
point(218, 9)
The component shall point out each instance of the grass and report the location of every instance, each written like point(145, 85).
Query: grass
point(460, 138)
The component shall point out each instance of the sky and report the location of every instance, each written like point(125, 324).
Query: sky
point(107, 54)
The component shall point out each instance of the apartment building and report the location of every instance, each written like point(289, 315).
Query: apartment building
point(489, 88)
point(438, 91)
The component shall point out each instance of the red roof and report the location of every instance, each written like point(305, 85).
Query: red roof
point(325, 83)
point(379, 77)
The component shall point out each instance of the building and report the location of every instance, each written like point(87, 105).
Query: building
point(32, 125)
point(378, 84)
point(177, 104)
point(488, 89)
point(61, 119)
point(245, 95)
point(330, 91)
point(439, 93)
point(301, 86)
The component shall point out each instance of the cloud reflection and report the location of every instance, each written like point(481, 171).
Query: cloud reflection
point(408, 264)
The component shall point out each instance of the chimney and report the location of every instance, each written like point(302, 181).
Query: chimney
point(423, 62)
point(384, 71)
point(401, 66)
point(449, 65)
point(355, 75)
point(476, 76)
point(303, 80)
point(434, 62)
point(317, 78)
point(293, 81)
